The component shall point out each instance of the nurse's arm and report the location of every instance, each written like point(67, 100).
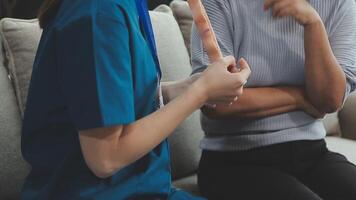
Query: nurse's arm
point(108, 150)
point(171, 90)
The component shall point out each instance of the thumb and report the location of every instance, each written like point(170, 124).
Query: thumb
point(228, 61)
point(245, 70)
point(243, 64)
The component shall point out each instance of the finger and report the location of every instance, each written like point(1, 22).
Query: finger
point(223, 100)
point(245, 71)
point(243, 63)
point(210, 105)
point(233, 68)
point(317, 114)
point(278, 7)
point(224, 104)
point(314, 112)
point(285, 12)
point(268, 3)
point(239, 92)
point(228, 61)
point(215, 104)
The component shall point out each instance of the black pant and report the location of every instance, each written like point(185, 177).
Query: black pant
point(26, 9)
point(6, 7)
point(301, 170)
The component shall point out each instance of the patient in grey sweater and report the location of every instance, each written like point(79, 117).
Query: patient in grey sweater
point(303, 60)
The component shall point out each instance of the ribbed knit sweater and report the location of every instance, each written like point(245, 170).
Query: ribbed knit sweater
point(274, 48)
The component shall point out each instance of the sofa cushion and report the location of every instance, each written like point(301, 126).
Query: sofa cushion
point(331, 124)
point(184, 18)
point(347, 118)
point(344, 146)
point(189, 184)
point(21, 38)
point(13, 169)
point(175, 64)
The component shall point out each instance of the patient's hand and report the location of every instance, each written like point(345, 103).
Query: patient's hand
point(305, 105)
point(311, 110)
point(301, 10)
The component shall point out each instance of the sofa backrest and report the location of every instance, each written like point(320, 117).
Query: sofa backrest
point(13, 169)
point(347, 118)
point(175, 65)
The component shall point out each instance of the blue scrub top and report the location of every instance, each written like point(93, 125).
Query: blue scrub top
point(96, 66)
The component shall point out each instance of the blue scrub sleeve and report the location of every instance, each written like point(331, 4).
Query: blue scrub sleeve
point(95, 73)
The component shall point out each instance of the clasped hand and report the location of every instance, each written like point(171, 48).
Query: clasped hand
point(300, 10)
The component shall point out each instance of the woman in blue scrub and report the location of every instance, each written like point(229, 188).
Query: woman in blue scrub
point(92, 127)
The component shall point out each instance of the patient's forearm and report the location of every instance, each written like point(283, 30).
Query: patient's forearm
point(325, 79)
point(260, 102)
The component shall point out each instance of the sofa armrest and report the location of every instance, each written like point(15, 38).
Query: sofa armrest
point(347, 118)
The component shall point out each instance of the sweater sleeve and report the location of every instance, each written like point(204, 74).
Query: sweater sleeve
point(343, 41)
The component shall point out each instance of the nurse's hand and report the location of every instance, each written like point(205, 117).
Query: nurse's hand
point(222, 83)
point(300, 10)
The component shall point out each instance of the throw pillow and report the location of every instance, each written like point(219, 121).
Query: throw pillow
point(13, 169)
point(331, 124)
point(21, 38)
point(183, 15)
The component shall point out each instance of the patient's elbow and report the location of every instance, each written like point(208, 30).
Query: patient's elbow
point(331, 105)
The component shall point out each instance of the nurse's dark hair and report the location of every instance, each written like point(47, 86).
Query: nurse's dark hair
point(48, 11)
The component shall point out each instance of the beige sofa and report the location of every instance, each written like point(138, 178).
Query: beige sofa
point(18, 43)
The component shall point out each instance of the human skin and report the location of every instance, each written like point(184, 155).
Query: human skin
point(325, 82)
point(205, 29)
point(210, 42)
point(108, 150)
point(325, 79)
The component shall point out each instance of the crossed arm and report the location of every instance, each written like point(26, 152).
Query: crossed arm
point(264, 102)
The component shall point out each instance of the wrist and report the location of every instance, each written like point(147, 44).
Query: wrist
point(200, 91)
point(314, 20)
